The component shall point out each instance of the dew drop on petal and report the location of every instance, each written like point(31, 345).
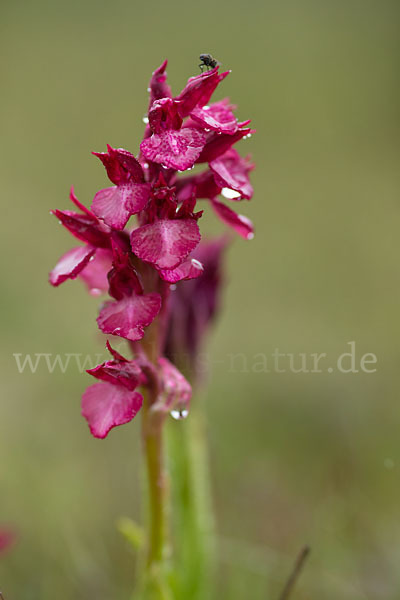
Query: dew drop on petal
point(172, 287)
point(250, 236)
point(95, 292)
point(230, 194)
point(197, 264)
point(145, 120)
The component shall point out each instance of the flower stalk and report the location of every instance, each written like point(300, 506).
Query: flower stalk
point(141, 245)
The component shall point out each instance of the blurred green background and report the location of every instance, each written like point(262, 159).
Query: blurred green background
point(296, 458)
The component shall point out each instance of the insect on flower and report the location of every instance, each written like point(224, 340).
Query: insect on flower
point(208, 61)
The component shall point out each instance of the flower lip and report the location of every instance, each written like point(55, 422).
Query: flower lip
point(166, 242)
point(105, 406)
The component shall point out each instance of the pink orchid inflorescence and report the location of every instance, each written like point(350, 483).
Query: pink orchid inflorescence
point(138, 265)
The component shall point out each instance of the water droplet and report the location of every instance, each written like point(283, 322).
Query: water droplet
point(145, 120)
point(149, 89)
point(197, 264)
point(250, 236)
point(179, 414)
point(206, 108)
point(146, 165)
point(246, 137)
point(117, 330)
point(230, 194)
point(95, 292)
point(172, 287)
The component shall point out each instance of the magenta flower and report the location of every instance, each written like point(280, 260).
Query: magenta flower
point(129, 196)
point(92, 261)
point(132, 310)
point(169, 144)
point(115, 401)
point(137, 262)
point(7, 539)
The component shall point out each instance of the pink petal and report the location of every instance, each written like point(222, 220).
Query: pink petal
point(128, 317)
point(199, 90)
point(116, 355)
point(218, 144)
point(79, 205)
point(176, 389)
point(231, 171)
point(86, 227)
point(202, 185)
point(95, 273)
point(241, 224)
point(189, 269)
point(105, 406)
point(174, 149)
point(125, 373)
point(114, 205)
point(165, 243)
point(120, 165)
point(218, 117)
point(158, 84)
point(71, 264)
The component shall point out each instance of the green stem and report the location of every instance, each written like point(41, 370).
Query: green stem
point(193, 520)
point(156, 484)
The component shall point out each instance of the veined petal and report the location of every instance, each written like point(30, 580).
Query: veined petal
point(158, 87)
point(189, 269)
point(95, 273)
point(174, 149)
point(241, 224)
point(105, 406)
point(167, 242)
point(71, 264)
point(218, 144)
point(125, 373)
point(231, 171)
point(128, 317)
point(177, 390)
point(218, 117)
point(121, 165)
point(199, 90)
point(114, 205)
point(85, 227)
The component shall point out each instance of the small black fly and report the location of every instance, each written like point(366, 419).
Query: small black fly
point(207, 61)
